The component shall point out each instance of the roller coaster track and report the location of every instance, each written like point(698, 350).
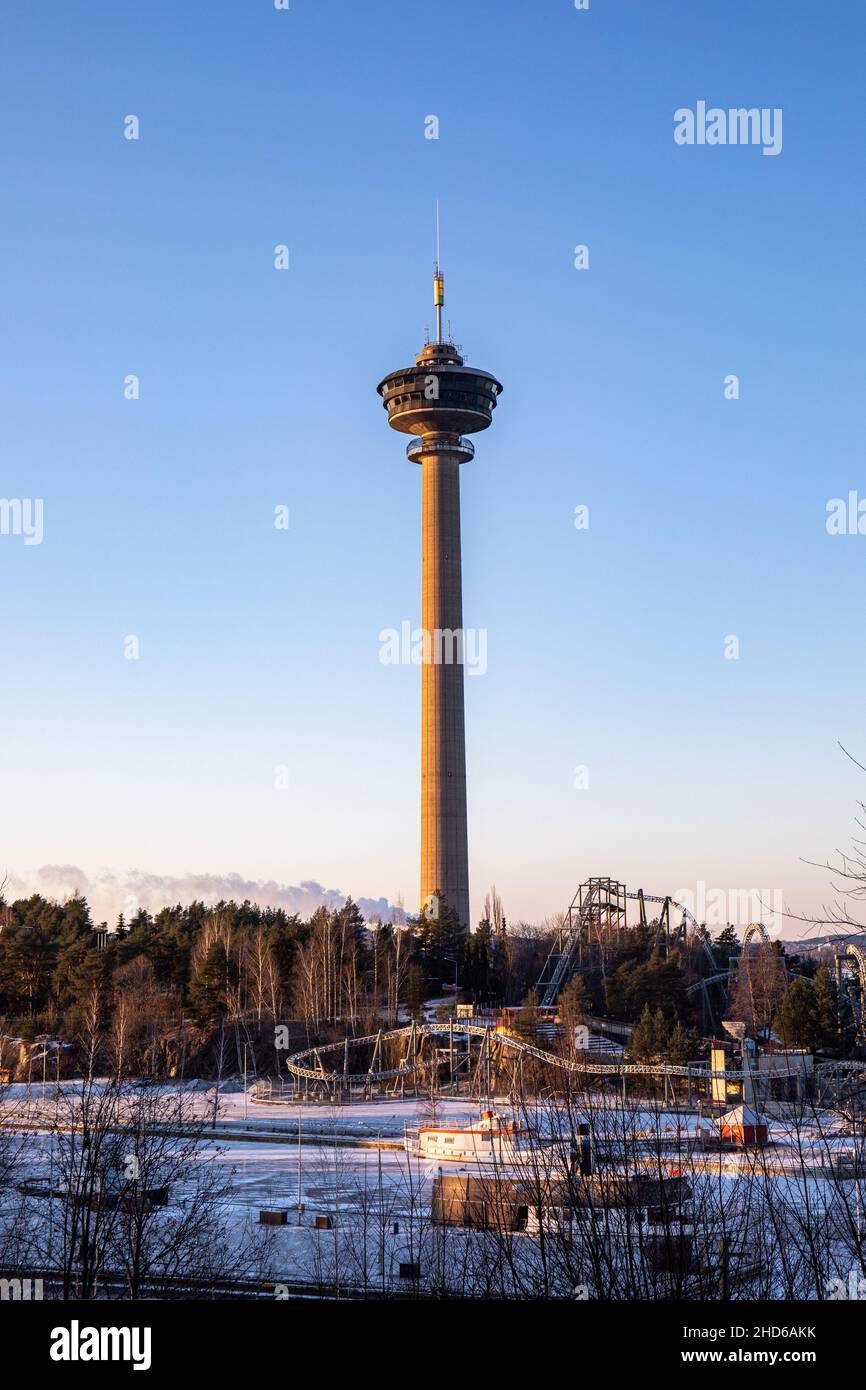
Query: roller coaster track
point(708, 981)
point(298, 1063)
point(560, 964)
point(755, 929)
point(333, 1081)
point(855, 958)
point(688, 918)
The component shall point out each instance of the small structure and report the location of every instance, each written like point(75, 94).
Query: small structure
point(718, 1068)
point(492, 1139)
point(482, 1203)
point(505, 1203)
point(783, 1074)
point(742, 1126)
point(273, 1217)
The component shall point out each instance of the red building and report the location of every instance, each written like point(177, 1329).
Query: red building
point(743, 1126)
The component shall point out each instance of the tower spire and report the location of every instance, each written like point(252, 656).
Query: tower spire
point(438, 283)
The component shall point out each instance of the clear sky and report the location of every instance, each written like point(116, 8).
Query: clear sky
point(259, 648)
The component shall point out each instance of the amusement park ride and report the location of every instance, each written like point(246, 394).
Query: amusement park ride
point(596, 922)
point(471, 1056)
point(457, 1056)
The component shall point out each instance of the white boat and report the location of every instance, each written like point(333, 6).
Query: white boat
point(492, 1139)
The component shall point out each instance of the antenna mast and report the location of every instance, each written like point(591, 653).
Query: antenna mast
point(438, 283)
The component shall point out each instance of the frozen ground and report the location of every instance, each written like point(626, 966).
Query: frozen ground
point(379, 1198)
point(381, 1118)
point(385, 1118)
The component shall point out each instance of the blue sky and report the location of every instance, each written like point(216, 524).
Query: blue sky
point(259, 647)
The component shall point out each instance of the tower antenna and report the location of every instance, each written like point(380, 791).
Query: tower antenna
point(438, 283)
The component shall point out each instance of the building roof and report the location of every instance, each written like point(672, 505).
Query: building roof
point(741, 1115)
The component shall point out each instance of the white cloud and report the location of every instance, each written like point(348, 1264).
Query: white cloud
point(110, 892)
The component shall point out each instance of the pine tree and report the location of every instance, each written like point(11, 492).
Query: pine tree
point(649, 1037)
point(208, 992)
point(414, 992)
point(527, 1019)
point(827, 1019)
point(727, 943)
point(443, 943)
point(796, 1019)
point(573, 1007)
point(681, 1046)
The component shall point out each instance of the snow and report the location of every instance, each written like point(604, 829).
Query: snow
point(340, 1169)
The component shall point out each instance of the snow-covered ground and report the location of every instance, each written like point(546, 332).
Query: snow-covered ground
point(379, 1198)
point(383, 1117)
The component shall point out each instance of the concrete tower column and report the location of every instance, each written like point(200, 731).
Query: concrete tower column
point(439, 401)
point(444, 842)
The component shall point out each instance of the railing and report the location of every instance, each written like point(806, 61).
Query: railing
point(426, 444)
point(297, 1063)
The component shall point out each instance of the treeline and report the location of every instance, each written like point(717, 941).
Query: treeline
point(648, 986)
point(201, 967)
point(205, 965)
point(637, 974)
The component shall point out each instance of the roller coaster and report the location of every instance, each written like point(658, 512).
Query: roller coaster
point(854, 957)
point(459, 1053)
point(597, 919)
point(459, 1056)
point(427, 1050)
point(724, 980)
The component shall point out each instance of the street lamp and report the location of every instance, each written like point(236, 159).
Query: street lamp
point(453, 960)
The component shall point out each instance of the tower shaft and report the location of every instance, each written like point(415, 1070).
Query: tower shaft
point(439, 402)
point(444, 840)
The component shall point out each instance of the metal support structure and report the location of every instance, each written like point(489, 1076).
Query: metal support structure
point(309, 1066)
point(594, 927)
point(854, 957)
